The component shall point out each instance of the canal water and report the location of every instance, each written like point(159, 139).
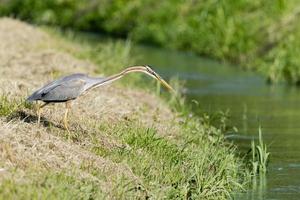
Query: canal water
point(251, 103)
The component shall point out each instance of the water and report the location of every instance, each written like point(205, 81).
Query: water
point(251, 103)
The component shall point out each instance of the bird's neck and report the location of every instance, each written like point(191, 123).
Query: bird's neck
point(111, 78)
point(115, 77)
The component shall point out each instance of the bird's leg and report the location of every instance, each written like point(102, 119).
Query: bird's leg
point(68, 107)
point(39, 111)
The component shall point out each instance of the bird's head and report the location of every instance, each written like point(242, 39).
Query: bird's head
point(152, 73)
point(149, 71)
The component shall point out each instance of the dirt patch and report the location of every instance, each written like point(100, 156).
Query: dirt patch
point(25, 66)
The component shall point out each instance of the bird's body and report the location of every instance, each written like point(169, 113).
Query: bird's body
point(64, 89)
point(68, 88)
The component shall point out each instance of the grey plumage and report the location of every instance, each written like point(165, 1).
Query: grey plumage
point(65, 88)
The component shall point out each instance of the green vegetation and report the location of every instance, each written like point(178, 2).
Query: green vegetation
point(9, 105)
point(5, 106)
point(50, 185)
point(260, 155)
point(261, 34)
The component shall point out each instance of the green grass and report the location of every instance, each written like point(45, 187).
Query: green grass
point(182, 168)
point(50, 185)
point(9, 106)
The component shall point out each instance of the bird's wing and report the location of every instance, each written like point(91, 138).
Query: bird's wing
point(44, 90)
point(61, 82)
point(64, 91)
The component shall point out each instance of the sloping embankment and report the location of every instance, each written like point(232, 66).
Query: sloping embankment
point(120, 144)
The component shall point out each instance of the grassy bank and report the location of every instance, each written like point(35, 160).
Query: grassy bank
point(262, 35)
point(125, 143)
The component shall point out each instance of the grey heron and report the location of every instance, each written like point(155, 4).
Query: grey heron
point(68, 88)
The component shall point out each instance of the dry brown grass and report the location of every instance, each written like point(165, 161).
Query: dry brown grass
point(23, 146)
point(25, 66)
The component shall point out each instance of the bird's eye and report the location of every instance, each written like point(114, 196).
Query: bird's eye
point(148, 69)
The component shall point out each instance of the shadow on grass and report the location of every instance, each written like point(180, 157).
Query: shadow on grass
point(32, 119)
point(29, 118)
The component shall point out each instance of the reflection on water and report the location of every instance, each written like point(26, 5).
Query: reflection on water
point(252, 103)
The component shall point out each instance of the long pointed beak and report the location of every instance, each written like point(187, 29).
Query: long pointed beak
point(147, 70)
point(165, 83)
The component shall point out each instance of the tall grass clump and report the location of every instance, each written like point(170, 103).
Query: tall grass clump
point(260, 155)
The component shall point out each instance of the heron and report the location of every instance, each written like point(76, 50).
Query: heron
point(68, 88)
